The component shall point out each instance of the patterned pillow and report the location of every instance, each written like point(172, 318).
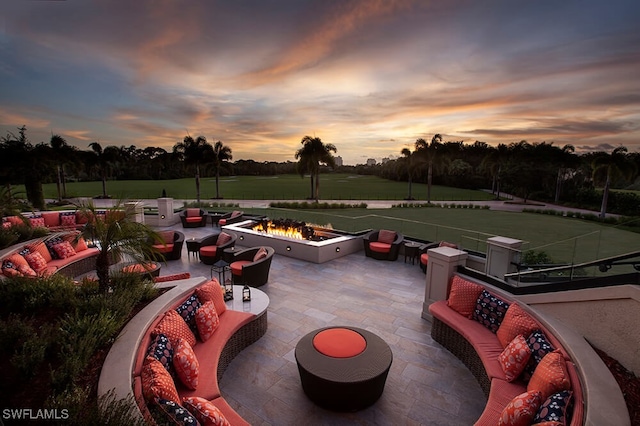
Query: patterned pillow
point(165, 237)
point(68, 219)
point(551, 375)
point(211, 291)
point(157, 382)
point(18, 260)
point(539, 346)
point(555, 408)
point(188, 311)
point(514, 358)
point(207, 320)
point(387, 237)
point(50, 243)
point(260, 254)
point(186, 364)
point(223, 238)
point(162, 350)
point(41, 248)
point(490, 310)
point(173, 326)
point(521, 410)
point(36, 261)
point(37, 222)
point(10, 269)
point(64, 250)
point(516, 321)
point(27, 271)
point(463, 296)
point(205, 411)
point(175, 413)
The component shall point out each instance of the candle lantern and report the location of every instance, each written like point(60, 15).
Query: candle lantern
point(246, 293)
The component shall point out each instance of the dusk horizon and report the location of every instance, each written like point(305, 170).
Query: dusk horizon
point(369, 77)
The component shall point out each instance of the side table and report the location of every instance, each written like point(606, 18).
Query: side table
point(411, 250)
point(193, 247)
point(228, 254)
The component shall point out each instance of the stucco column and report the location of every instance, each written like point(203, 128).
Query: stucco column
point(443, 262)
point(136, 210)
point(501, 252)
point(165, 212)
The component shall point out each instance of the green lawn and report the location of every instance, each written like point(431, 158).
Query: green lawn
point(281, 187)
point(564, 239)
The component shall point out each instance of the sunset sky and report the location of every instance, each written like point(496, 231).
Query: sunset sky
point(369, 76)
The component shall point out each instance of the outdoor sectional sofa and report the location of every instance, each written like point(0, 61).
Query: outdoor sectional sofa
point(140, 347)
point(55, 221)
point(61, 253)
point(511, 354)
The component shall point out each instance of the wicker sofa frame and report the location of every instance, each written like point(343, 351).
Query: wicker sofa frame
point(118, 372)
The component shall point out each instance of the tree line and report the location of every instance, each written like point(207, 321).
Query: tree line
point(540, 171)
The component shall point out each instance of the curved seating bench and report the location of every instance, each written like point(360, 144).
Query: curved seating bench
point(122, 369)
point(458, 328)
point(75, 263)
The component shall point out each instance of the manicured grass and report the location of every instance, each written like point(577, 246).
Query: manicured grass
point(564, 239)
point(333, 186)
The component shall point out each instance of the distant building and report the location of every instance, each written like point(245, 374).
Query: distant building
point(338, 160)
point(371, 161)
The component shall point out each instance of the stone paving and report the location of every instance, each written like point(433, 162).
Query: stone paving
point(426, 384)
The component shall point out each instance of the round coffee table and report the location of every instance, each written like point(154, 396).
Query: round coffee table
point(348, 381)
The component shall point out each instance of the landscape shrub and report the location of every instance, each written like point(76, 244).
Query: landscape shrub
point(535, 257)
point(305, 205)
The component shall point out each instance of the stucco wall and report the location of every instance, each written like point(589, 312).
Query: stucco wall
point(607, 317)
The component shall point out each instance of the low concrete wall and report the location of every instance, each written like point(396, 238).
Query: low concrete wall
point(607, 317)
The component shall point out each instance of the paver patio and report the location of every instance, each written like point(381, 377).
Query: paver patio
point(426, 384)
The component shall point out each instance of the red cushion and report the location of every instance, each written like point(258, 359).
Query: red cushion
point(165, 237)
point(174, 327)
point(222, 222)
point(385, 236)
point(51, 218)
point(550, 376)
point(463, 296)
point(424, 258)
point(260, 254)
point(339, 343)
point(36, 222)
point(41, 248)
point(15, 220)
point(516, 321)
point(208, 250)
point(172, 277)
point(162, 248)
point(36, 261)
point(223, 238)
point(193, 219)
point(193, 212)
point(380, 247)
point(521, 410)
point(236, 267)
point(157, 382)
point(211, 291)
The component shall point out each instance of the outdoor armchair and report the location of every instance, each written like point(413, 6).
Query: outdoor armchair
point(170, 244)
point(193, 218)
point(212, 247)
point(251, 266)
point(383, 244)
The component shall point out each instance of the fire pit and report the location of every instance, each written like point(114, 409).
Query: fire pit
point(296, 239)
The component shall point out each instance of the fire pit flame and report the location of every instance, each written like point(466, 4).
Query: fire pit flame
point(286, 228)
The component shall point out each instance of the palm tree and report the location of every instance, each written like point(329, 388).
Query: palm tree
point(62, 153)
point(429, 151)
point(494, 162)
point(314, 153)
point(221, 154)
point(305, 164)
point(411, 160)
point(116, 236)
point(102, 162)
point(194, 152)
point(615, 166)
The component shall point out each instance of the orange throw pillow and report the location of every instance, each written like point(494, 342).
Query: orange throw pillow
point(516, 321)
point(550, 376)
point(207, 320)
point(514, 358)
point(212, 291)
point(463, 296)
point(521, 410)
point(206, 413)
point(174, 327)
point(157, 382)
point(186, 364)
point(387, 237)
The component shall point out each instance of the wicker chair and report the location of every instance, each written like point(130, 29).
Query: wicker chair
point(210, 251)
point(193, 218)
point(246, 270)
point(229, 218)
point(170, 245)
point(423, 257)
point(379, 252)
